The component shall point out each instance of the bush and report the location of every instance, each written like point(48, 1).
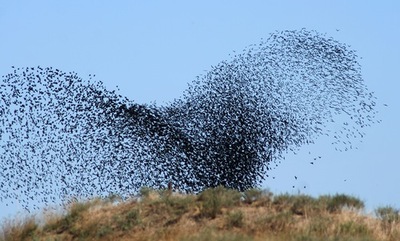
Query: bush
point(389, 217)
point(145, 192)
point(235, 219)
point(19, 230)
point(302, 205)
point(252, 194)
point(276, 223)
point(128, 219)
point(340, 201)
point(296, 204)
point(282, 202)
point(68, 220)
point(388, 214)
point(213, 199)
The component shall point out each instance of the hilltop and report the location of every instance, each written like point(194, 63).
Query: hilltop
point(215, 214)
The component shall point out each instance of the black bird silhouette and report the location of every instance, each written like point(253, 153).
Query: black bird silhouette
point(65, 137)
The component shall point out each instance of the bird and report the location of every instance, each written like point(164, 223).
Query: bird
point(230, 127)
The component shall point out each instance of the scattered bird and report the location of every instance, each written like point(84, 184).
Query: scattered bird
point(62, 136)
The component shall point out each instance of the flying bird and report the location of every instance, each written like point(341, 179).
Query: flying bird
point(62, 136)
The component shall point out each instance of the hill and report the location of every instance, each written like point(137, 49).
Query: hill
point(215, 214)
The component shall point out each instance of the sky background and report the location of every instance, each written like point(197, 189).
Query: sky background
point(153, 49)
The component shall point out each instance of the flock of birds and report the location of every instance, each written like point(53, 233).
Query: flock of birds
point(63, 137)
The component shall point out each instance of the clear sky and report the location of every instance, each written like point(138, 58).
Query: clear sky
point(152, 49)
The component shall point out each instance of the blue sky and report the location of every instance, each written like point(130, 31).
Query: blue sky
point(152, 49)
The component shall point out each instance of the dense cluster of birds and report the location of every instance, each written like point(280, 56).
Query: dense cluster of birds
point(63, 137)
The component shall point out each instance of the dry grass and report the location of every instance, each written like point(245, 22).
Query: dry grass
point(215, 214)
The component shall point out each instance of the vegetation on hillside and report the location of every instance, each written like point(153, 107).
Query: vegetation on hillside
point(214, 214)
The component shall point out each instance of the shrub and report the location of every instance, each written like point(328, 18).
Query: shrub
point(251, 195)
point(103, 231)
point(112, 198)
point(170, 206)
point(388, 214)
point(282, 202)
point(213, 199)
point(302, 205)
point(128, 219)
point(68, 220)
point(340, 201)
point(235, 219)
point(296, 204)
point(389, 217)
point(276, 223)
point(145, 192)
point(19, 230)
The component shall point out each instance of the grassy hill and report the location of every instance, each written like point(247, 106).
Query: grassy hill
point(215, 214)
